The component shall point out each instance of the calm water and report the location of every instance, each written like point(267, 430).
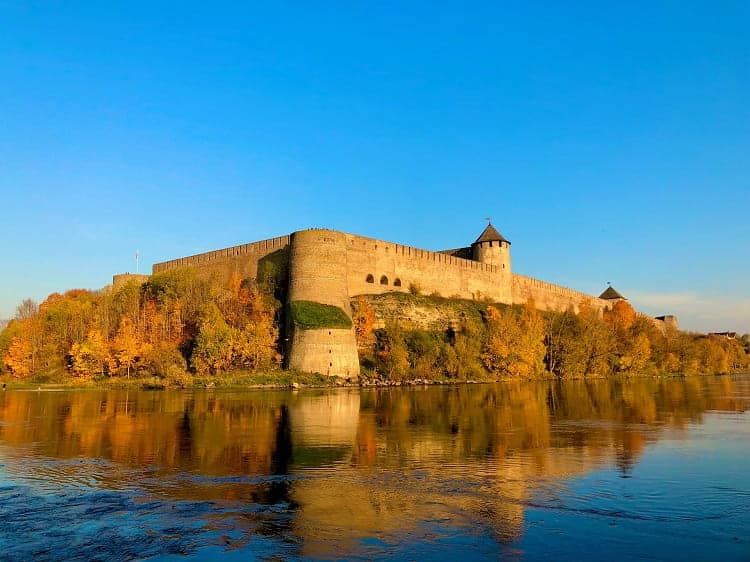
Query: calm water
point(602, 470)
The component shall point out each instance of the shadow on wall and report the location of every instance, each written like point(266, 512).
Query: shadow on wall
point(273, 273)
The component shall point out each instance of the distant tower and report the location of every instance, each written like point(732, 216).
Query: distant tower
point(611, 295)
point(491, 247)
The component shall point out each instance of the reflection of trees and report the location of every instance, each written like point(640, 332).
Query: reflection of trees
point(373, 462)
point(203, 434)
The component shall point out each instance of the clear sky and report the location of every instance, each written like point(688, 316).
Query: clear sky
point(608, 142)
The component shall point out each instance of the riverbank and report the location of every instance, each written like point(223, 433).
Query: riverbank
point(285, 380)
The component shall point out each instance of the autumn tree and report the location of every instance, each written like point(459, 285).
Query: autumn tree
point(24, 352)
point(392, 355)
point(18, 358)
point(464, 355)
point(254, 345)
point(89, 357)
point(214, 345)
point(125, 346)
point(515, 344)
point(423, 349)
point(621, 318)
point(363, 317)
point(579, 344)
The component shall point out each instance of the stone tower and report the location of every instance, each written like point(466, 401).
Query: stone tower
point(318, 273)
point(492, 248)
point(611, 295)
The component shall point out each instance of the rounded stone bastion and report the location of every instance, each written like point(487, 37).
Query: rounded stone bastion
point(320, 331)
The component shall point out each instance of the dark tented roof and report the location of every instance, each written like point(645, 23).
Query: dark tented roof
point(610, 294)
point(490, 234)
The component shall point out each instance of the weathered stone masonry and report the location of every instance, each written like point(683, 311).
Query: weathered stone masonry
point(331, 267)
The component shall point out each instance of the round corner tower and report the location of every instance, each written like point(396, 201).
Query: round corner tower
point(318, 275)
point(492, 248)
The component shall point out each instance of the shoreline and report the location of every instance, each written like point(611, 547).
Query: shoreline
point(221, 383)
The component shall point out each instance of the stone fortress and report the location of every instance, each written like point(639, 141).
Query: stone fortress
point(331, 267)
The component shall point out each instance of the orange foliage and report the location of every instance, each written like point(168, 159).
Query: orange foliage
point(364, 322)
point(621, 316)
point(18, 358)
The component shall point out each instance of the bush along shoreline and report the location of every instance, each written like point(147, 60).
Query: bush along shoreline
point(183, 330)
point(497, 342)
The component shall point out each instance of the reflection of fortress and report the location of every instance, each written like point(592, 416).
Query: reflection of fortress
point(330, 267)
point(336, 466)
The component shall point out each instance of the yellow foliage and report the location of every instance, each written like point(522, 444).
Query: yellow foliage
point(89, 357)
point(515, 345)
point(126, 348)
point(254, 344)
point(621, 316)
point(18, 357)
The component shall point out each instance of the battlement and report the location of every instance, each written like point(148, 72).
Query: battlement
point(551, 287)
point(411, 252)
point(330, 267)
point(549, 296)
point(260, 247)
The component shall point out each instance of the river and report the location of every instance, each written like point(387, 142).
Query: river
point(576, 470)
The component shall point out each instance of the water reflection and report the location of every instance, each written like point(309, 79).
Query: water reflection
point(337, 473)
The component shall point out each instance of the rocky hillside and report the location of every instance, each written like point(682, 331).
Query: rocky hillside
point(426, 312)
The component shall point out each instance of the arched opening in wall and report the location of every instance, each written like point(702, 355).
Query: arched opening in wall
point(370, 278)
point(397, 283)
point(383, 280)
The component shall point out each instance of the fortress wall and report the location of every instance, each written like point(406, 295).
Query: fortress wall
point(331, 352)
point(548, 296)
point(242, 259)
point(123, 278)
point(432, 272)
point(317, 272)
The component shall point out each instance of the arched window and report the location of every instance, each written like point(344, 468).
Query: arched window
point(383, 280)
point(370, 278)
point(397, 283)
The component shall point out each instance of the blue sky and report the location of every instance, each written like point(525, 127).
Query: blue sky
point(608, 142)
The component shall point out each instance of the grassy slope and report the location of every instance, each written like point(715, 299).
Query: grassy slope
point(309, 315)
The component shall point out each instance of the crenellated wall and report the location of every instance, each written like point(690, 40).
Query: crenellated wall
point(242, 260)
point(548, 296)
point(331, 267)
point(432, 272)
point(261, 248)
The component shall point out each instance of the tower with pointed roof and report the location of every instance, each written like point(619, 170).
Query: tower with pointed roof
point(492, 248)
point(611, 295)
